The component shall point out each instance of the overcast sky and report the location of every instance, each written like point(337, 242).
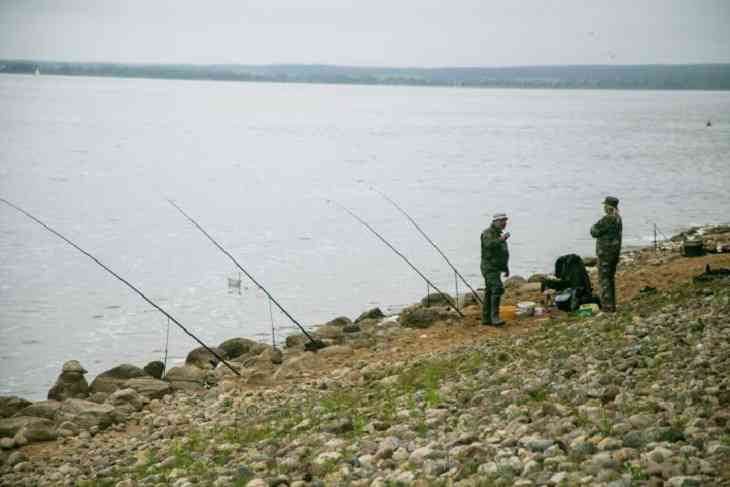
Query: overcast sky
point(368, 32)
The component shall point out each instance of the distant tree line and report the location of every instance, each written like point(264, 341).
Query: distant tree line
point(650, 77)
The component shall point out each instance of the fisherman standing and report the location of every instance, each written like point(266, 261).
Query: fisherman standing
point(607, 232)
point(495, 257)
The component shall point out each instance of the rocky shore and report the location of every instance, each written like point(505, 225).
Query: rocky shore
point(639, 397)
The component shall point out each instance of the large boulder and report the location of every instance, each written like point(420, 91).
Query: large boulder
point(328, 331)
point(203, 358)
point(187, 377)
point(10, 426)
point(299, 365)
point(9, 405)
point(155, 369)
point(149, 387)
point(336, 350)
point(339, 321)
point(531, 287)
point(468, 299)
point(265, 360)
point(537, 278)
point(437, 299)
point(514, 281)
point(126, 401)
point(371, 314)
point(236, 347)
point(114, 378)
point(272, 355)
point(43, 430)
point(41, 409)
point(71, 383)
point(294, 341)
point(351, 328)
point(86, 414)
point(422, 317)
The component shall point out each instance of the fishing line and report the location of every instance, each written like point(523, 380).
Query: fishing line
point(127, 283)
point(315, 344)
point(428, 239)
point(428, 282)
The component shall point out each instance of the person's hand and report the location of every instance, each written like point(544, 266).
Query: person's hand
point(504, 236)
point(506, 274)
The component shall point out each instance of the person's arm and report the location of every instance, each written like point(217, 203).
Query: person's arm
point(490, 244)
point(599, 228)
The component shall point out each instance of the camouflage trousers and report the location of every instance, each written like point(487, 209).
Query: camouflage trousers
point(606, 278)
point(493, 287)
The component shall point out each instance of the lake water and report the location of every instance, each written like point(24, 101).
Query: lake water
point(255, 164)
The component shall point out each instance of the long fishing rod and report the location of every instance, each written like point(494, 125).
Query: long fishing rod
point(169, 316)
point(167, 342)
point(315, 344)
point(420, 230)
point(443, 295)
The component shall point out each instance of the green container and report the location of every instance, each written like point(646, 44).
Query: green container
point(584, 312)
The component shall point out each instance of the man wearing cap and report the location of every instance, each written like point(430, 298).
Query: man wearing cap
point(495, 257)
point(607, 232)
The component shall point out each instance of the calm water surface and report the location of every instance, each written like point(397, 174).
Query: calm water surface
point(255, 164)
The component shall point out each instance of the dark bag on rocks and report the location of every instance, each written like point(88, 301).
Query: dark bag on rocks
point(573, 281)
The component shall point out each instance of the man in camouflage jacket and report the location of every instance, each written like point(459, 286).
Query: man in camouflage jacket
point(495, 261)
point(607, 231)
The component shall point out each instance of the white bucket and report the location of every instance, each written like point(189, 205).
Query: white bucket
point(526, 308)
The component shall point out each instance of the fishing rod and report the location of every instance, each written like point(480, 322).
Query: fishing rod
point(167, 342)
point(446, 297)
point(273, 332)
point(420, 230)
point(169, 316)
point(314, 344)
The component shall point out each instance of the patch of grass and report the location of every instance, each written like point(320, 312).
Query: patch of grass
point(637, 472)
point(325, 468)
point(183, 455)
point(538, 394)
point(671, 435)
point(221, 459)
point(244, 435)
point(421, 429)
point(424, 377)
point(432, 398)
point(194, 440)
point(581, 420)
point(470, 467)
point(605, 425)
point(341, 400)
point(472, 363)
point(96, 483)
point(358, 425)
point(243, 480)
point(151, 460)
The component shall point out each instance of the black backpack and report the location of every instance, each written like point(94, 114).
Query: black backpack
point(573, 280)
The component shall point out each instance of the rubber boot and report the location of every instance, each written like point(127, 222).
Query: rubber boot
point(487, 310)
point(494, 304)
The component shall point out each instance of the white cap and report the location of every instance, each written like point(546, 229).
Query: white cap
point(499, 216)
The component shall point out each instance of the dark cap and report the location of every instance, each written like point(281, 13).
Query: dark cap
point(611, 201)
